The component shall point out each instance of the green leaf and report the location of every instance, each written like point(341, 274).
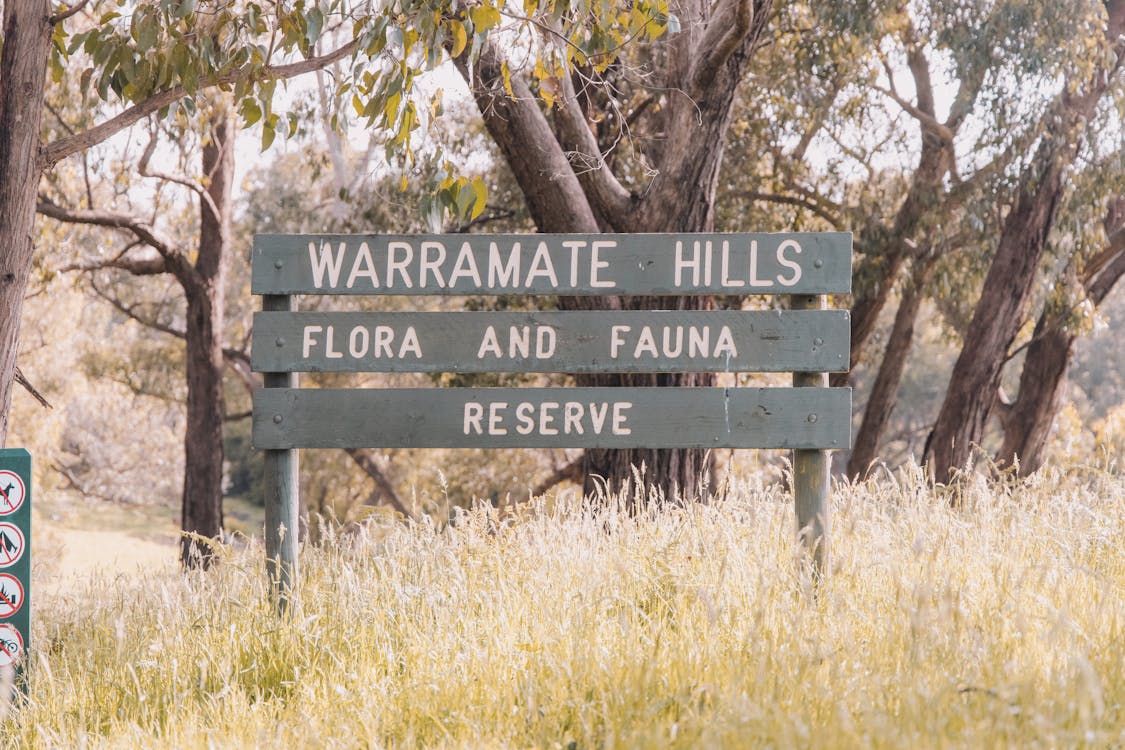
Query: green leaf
point(481, 191)
point(268, 134)
point(484, 17)
point(314, 22)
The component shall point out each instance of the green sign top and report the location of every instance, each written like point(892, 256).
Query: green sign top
point(594, 264)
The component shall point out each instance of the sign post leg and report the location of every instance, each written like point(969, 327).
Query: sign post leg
point(811, 469)
point(281, 489)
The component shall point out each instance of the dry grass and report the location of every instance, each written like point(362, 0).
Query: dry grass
point(997, 625)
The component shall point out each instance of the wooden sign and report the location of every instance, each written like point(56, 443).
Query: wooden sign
point(15, 557)
point(802, 418)
point(600, 264)
point(575, 342)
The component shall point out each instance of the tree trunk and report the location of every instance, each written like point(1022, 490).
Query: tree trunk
point(972, 391)
point(680, 199)
point(1028, 421)
point(23, 74)
point(203, 438)
point(884, 393)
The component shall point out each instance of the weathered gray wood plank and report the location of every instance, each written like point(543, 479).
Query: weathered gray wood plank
point(574, 342)
point(661, 264)
point(800, 418)
point(281, 488)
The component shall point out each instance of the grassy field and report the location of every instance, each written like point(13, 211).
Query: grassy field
point(999, 624)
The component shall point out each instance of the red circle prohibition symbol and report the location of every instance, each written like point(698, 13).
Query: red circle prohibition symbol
point(11, 595)
point(11, 645)
point(12, 492)
point(12, 544)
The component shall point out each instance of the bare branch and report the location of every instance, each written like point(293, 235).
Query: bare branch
point(792, 200)
point(62, 16)
point(365, 460)
point(56, 151)
point(27, 386)
point(144, 171)
point(175, 260)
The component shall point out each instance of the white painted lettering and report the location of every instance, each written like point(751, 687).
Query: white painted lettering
point(384, 336)
point(525, 418)
point(329, 345)
point(547, 417)
point(500, 275)
point(495, 418)
point(754, 280)
point(646, 343)
point(466, 266)
point(410, 344)
point(725, 268)
point(541, 265)
point(724, 345)
point(597, 419)
point(474, 412)
point(619, 417)
point(519, 341)
point(396, 264)
point(489, 344)
point(358, 342)
point(673, 348)
point(615, 339)
point(699, 341)
point(363, 266)
point(545, 340)
point(429, 265)
point(572, 418)
point(791, 265)
point(707, 257)
point(326, 262)
point(309, 342)
point(597, 264)
point(575, 246)
point(682, 263)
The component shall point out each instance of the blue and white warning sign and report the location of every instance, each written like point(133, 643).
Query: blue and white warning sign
point(12, 492)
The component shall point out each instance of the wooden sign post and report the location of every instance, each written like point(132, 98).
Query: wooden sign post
point(806, 340)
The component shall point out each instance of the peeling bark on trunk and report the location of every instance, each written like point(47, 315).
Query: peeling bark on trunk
point(23, 74)
point(884, 393)
point(203, 436)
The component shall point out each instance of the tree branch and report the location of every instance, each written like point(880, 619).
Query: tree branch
point(144, 171)
point(610, 199)
point(791, 200)
point(27, 386)
point(728, 26)
point(176, 262)
point(56, 18)
point(554, 195)
point(365, 460)
point(56, 151)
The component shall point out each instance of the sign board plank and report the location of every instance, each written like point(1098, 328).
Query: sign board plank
point(591, 264)
point(575, 342)
point(803, 418)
